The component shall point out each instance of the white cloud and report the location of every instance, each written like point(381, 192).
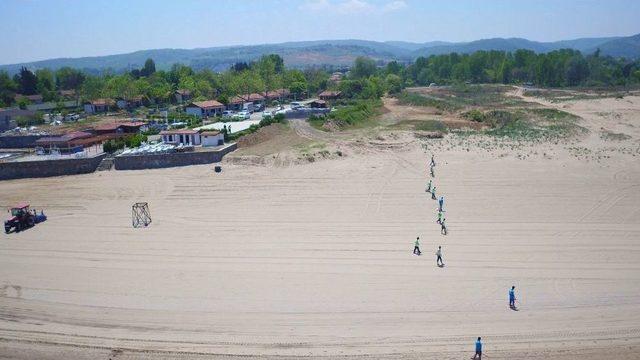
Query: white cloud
point(394, 5)
point(352, 6)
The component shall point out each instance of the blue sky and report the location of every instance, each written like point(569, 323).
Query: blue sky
point(41, 29)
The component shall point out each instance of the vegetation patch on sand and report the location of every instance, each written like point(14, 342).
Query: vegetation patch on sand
point(356, 114)
point(560, 95)
point(415, 99)
point(613, 136)
point(531, 124)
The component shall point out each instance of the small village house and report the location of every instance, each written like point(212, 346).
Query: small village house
point(182, 95)
point(237, 103)
point(181, 136)
point(98, 106)
point(205, 108)
point(133, 127)
point(132, 103)
point(212, 138)
point(67, 143)
point(280, 95)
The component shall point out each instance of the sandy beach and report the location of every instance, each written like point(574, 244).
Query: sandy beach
point(315, 260)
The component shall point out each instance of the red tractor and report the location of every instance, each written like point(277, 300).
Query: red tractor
point(22, 218)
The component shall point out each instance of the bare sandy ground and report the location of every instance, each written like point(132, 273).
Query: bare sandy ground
point(315, 260)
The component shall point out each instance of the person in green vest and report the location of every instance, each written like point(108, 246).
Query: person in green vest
point(416, 247)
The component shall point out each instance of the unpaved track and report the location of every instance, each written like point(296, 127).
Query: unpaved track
point(315, 261)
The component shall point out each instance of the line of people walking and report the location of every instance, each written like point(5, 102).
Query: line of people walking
point(431, 188)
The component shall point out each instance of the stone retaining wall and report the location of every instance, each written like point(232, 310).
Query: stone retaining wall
point(157, 161)
point(47, 168)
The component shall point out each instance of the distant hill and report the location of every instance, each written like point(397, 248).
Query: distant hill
point(627, 47)
point(327, 52)
point(586, 45)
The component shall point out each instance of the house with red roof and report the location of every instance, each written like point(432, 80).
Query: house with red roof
point(237, 103)
point(205, 108)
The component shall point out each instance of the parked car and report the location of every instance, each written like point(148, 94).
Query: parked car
point(242, 115)
point(227, 114)
point(295, 105)
point(258, 107)
point(267, 114)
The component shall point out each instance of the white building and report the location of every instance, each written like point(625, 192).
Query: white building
point(205, 108)
point(181, 136)
point(212, 138)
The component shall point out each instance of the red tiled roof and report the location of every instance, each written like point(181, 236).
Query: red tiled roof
point(115, 125)
point(95, 139)
point(246, 98)
point(278, 93)
point(206, 104)
point(64, 138)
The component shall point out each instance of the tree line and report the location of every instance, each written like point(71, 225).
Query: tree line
point(265, 74)
point(366, 78)
point(560, 68)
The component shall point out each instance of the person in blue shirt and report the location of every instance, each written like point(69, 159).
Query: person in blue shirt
point(478, 354)
point(441, 202)
point(512, 297)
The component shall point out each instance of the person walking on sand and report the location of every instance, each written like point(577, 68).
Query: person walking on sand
point(441, 203)
point(433, 193)
point(433, 161)
point(443, 227)
point(439, 261)
point(512, 297)
point(416, 247)
point(433, 174)
point(428, 186)
point(439, 221)
point(478, 354)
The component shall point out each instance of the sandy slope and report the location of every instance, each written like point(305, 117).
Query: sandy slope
point(315, 260)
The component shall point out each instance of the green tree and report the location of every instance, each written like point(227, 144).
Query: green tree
point(149, 68)
point(69, 79)
point(27, 82)
point(363, 67)
point(7, 89)
point(92, 87)
point(393, 83)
